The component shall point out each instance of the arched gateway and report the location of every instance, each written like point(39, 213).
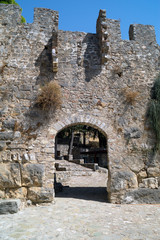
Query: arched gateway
point(114, 146)
point(105, 82)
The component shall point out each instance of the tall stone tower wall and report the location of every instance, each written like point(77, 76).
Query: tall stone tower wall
point(97, 73)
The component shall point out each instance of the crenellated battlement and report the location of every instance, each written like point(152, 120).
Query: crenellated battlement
point(10, 14)
point(142, 33)
point(43, 17)
point(108, 31)
point(47, 18)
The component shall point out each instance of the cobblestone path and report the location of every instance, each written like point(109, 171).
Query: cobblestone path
point(77, 214)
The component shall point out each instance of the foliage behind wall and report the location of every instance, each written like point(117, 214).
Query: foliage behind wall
point(153, 113)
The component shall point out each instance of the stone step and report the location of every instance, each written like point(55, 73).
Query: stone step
point(60, 169)
point(71, 168)
point(64, 176)
point(66, 169)
point(78, 161)
point(10, 206)
point(76, 173)
point(63, 165)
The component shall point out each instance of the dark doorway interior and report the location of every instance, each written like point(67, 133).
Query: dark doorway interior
point(81, 163)
point(82, 142)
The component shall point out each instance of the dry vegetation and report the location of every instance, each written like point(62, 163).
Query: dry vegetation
point(50, 96)
point(130, 95)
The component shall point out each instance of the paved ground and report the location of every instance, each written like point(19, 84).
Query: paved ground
point(81, 214)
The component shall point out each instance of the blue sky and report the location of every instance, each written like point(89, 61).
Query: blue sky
point(82, 15)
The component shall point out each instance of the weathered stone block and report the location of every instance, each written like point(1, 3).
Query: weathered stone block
point(5, 156)
point(141, 175)
point(6, 135)
point(2, 194)
point(143, 195)
point(20, 193)
point(16, 157)
point(104, 25)
point(105, 47)
point(2, 145)
point(32, 175)
point(40, 195)
point(122, 181)
point(32, 156)
point(3, 111)
point(134, 163)
point(25, 158)
point(153, 172)
point(10, 124)
point(132, 132)
point(105, 57)
point(9, 206)
point(17, 134)
point(150, 183)
point(10, 176)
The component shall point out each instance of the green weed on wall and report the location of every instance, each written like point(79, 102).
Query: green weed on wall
point(153, 113)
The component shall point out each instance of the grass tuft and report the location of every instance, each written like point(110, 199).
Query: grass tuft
point(130, 95)
point(50, 96)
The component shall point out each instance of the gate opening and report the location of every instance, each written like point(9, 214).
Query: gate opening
point(81, 163)
point(82, 142)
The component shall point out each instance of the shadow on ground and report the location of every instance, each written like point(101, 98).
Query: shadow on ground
point(86, 193)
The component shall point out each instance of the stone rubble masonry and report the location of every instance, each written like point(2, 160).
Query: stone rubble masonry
point(10, 15)
point(10, 176)
point(138, 31)
point(97, 73)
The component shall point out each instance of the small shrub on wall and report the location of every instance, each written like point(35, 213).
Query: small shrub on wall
point(153, 113)
point(130, 95)
point(50, 96)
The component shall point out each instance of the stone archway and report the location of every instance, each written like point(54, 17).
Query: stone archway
point(121, 179)
point(104, 127)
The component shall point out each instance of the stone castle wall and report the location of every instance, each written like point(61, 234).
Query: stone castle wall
point(96, 73)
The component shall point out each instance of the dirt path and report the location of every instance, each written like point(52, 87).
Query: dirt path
point(82, 213)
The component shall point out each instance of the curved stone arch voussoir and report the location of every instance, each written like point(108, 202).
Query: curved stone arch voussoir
point(105, 128)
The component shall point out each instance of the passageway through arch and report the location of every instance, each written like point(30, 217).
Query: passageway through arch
point(81, 160)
